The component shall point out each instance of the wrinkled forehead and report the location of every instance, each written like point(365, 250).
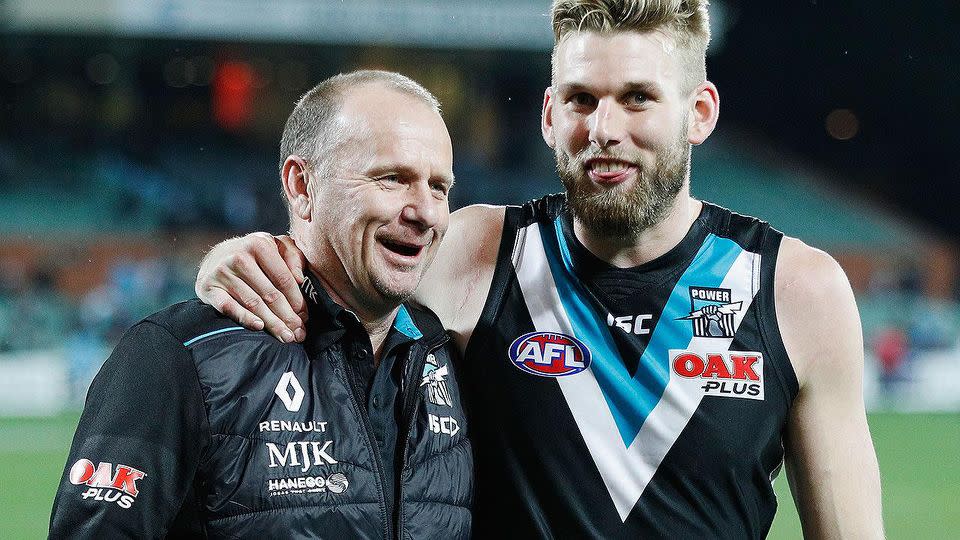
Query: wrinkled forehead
point(382, 123)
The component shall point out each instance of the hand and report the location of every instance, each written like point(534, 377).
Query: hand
point(254, 280)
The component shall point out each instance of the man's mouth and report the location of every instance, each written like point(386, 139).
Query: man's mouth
point(609, 171)
point(406, 249)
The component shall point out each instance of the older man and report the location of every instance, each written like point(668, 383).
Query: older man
point(197, 427)
point(639, 362)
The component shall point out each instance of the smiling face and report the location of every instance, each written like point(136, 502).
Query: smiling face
point(378, 210)
point(617, 118)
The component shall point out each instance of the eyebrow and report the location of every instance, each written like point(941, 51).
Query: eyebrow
point(644, 87)
point(404, 170)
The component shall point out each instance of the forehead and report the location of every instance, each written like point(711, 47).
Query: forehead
point(615, 58)
point(382, 124)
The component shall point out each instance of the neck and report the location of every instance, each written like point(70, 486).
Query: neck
point(375, 316)
point(647, 245)
point(376, 322)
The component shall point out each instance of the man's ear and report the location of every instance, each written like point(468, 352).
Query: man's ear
point(546, 118)
point(296, 180)
point(703, 114)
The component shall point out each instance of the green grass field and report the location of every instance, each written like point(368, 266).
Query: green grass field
point(919, 461)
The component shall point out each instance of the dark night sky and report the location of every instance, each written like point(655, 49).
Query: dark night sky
point(896, 65)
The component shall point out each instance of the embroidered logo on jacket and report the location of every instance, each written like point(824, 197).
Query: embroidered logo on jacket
point(291, 401)
point(106, 485)
point(335, 483)
point(435, 379)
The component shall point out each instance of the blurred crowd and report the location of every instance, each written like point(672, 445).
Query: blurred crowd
point(121, 160)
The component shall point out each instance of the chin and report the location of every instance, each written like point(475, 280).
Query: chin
point(397, 290)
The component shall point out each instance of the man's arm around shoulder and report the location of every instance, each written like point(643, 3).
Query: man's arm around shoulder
point(138, 444)
point(456, 285)
point(831, 462)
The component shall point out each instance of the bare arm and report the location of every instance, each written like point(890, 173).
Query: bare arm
point(456, 285)
point(831, 462)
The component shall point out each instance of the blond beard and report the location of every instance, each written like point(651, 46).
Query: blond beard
point(625, 211)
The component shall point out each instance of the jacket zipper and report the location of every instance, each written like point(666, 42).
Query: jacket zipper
point(410, 413)
point(374, 447)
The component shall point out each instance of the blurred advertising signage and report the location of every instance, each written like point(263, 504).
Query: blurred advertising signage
point(506, 24)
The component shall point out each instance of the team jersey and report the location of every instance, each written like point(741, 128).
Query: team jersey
point(647, 402)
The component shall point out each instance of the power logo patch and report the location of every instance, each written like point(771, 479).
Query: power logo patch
point(725, 374)
point(711, 312)
point(435, 379)
point(106, 485)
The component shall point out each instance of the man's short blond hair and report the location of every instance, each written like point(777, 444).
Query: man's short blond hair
point(685, 21)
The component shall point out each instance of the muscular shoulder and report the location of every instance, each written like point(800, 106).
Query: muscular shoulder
point(816, 311)
point(457, 282)
point(475, 223)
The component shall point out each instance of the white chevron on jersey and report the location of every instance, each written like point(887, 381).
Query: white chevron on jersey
point(625, 470)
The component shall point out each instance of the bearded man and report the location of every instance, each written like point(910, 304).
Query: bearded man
point(637, 363)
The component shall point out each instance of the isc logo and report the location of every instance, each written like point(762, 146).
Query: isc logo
point(549, 354)
point(121, 487)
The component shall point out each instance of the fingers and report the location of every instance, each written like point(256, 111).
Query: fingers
point(257, 283)
point(292, 255)
point(259, 279)
point(256, 303)
point(224, 303)
point(288, 278)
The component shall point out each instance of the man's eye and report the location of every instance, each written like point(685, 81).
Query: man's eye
point(636, 98)
point(389, 179)
point(440, 188)
point(583, 99)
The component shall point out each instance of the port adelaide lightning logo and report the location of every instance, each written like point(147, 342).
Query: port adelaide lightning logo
point(712, 312)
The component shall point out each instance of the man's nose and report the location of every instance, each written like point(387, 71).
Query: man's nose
point(607, 123)
point(422, 208)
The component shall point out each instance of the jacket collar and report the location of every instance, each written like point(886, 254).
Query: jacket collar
point(329, 321)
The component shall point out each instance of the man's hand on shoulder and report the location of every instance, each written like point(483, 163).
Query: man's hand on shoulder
point(254, 279)
point(831, 462)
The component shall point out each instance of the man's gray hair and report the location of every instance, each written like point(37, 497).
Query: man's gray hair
point(311, 132)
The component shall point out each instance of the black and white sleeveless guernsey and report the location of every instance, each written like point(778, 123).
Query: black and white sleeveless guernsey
point(647, 402)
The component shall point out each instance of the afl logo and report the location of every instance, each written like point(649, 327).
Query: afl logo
point(549, 354)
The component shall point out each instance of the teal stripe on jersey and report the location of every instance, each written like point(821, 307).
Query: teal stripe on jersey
point(631, 399)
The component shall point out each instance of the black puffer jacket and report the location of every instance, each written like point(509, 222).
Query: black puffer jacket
point(195, 427)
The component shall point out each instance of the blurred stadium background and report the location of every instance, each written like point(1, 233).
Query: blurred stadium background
point(134, 134)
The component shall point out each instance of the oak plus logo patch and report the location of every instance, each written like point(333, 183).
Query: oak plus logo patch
point(435, 379)
point(712, 312)
point(726, 374)
point(105, 484)
point(288, 382)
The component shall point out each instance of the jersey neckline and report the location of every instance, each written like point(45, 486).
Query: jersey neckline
point(587, 264)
